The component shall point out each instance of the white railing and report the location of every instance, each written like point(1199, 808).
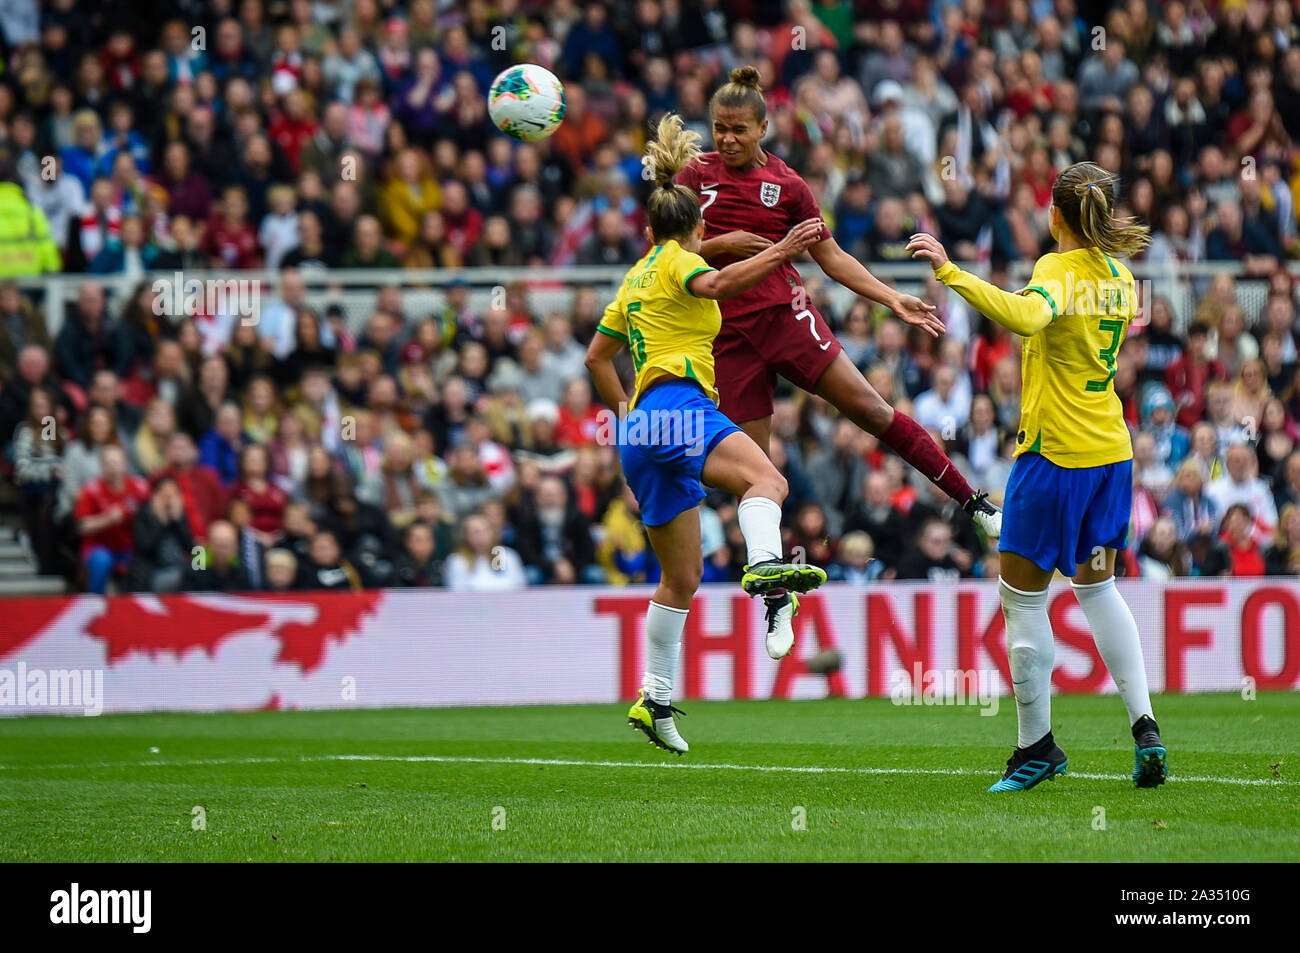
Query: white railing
point(552, 289)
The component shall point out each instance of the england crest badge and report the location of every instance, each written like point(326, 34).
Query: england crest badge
point(769, 194)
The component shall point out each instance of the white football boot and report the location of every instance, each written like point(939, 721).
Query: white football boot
point(780, 633)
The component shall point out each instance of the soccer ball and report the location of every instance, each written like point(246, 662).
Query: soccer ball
point(526, 102)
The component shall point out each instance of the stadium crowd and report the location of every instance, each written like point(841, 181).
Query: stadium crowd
point(463, 448)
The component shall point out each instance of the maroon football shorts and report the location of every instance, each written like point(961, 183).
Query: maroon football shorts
point(751, 350)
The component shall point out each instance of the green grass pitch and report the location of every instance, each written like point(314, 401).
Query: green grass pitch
point(866, 780)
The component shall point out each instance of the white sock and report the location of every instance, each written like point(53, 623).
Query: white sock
point(760, 524)
point(1031, 650)
point(1116, 634)
point(663, 640)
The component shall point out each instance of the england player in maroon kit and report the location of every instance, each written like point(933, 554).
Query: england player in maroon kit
point(751, 199)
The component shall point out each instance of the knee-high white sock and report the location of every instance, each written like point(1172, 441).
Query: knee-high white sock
point(1116, 634)
point(760, 524)
point(663, 642)
point(1031, 650)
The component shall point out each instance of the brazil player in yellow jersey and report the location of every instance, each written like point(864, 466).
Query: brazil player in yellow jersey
point(671, 435)
point(1070, 493)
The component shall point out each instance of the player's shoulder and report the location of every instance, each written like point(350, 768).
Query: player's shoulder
point(1119, 268)
point(1052, 266)
point(776, 165)
point(778, 168)
point(1050, 261)
point(679, 257)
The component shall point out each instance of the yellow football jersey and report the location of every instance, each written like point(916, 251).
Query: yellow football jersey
point(1069, 411)
point(669, 331)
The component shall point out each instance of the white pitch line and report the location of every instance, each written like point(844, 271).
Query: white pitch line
point(660, 765)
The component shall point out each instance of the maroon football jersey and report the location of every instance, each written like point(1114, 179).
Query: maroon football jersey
point(768, 200)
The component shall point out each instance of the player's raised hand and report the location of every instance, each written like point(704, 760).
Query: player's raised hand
point(912, 310)
point(744, 244)
point(800, 237)
point(927, 248)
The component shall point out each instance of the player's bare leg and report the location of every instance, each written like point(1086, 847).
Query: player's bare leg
point(1116, 634)
point(759, 431)
point(676, 545)
point(846, 389)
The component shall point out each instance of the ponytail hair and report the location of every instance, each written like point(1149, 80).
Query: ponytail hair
point(743, 91)
point(674, 210)
point(1085, 194)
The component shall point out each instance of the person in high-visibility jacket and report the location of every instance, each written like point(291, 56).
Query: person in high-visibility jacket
point(26, 245)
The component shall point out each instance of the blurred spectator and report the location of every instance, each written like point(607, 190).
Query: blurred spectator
point(406, 197)
point(981, 442)
point(198, 407)
point(198, 484)
point(163, 545)
point(367, 249)
point(876, 516)
point(578, 419)
point(1193, 512)
point(219, 567)
point(610, 243)
point(1234, 240)
point(837, 472)
point(398, 487)
point(807, 537)
point(84, 343)
point(281, 570)
point(97, 429)
point(105, 511)
point(22, 326)
point(150, 445)
point(481, 564)
point(1287, 488)
point(1275, 443)
point(1153, 475)
point(1205, 450)
point(1241, 485)
point(416, 565)
point(188, 193)
point(1282, 558)
point(857, 564)
point(38, 448)
point(230, 238)
point(552, 536)
point(1161, 554)
point(1170, 441)
point(1188, 375)
point(1238, 551)
point(944, 407)
point(30, 248)
point(264, 498)
point(936, 557)
point(219, 448)
point(261, 414)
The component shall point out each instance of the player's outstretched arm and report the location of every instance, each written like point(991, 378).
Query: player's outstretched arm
point(1022, 314)
point(843, 268)
point(739, 243)
point(604, 376)
point(738, 276)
